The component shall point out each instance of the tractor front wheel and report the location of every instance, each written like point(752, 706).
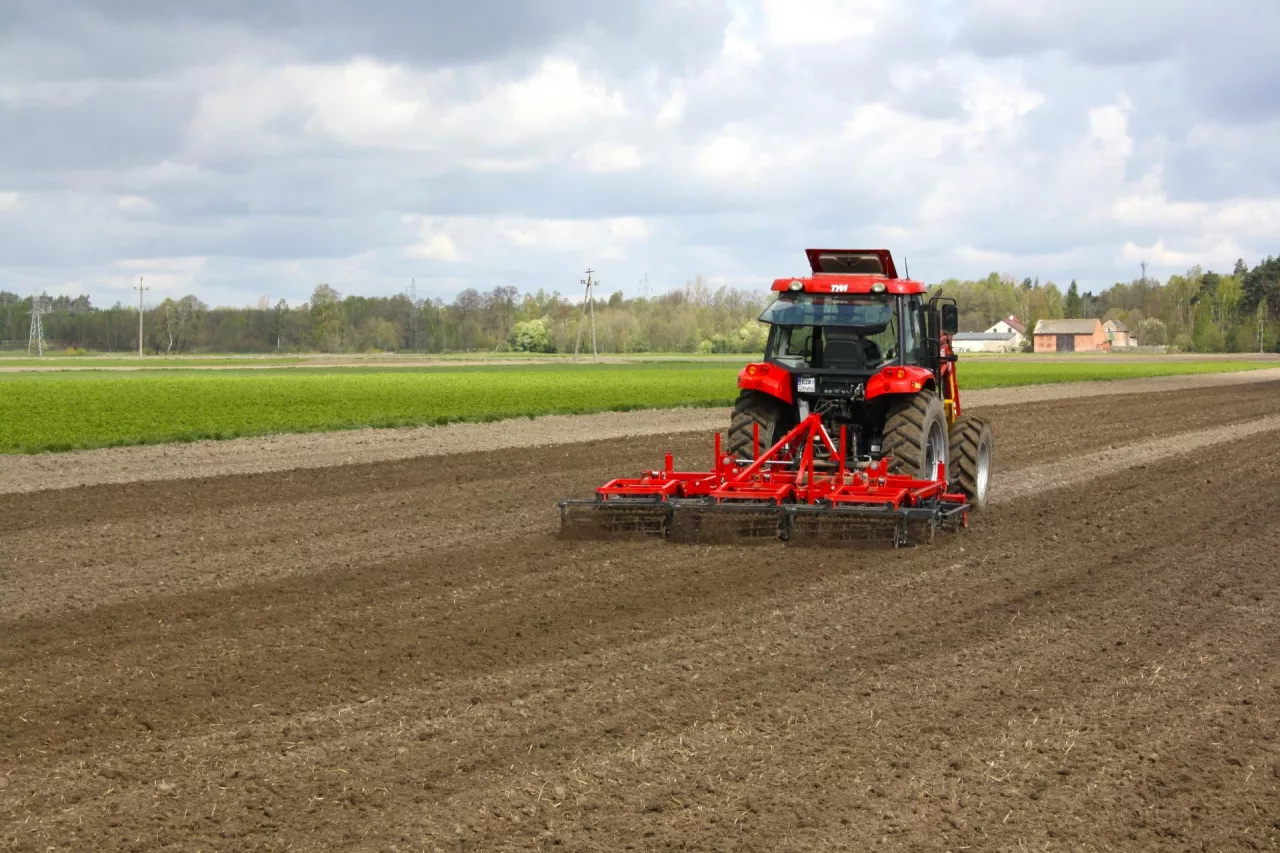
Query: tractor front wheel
point(970, 468)
point(755, 407)
point(915, 436)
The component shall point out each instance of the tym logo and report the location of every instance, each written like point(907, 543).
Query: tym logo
point(839, 288)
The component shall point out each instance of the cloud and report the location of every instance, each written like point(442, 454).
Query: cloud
point(500, 142)
point(515, 240)
point(607, 157)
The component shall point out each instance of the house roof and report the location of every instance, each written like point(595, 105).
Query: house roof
point(1066, 327)
point(981, 336)
point(1115, 326)
point(1016, 324)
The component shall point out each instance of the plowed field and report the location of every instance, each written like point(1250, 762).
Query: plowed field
point(402, 656)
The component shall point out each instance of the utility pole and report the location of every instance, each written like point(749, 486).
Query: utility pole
point(140, 289)
point(1144, 272)
point(588, 299)
point(36, 336)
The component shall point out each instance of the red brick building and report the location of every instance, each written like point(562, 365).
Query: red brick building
point(1071, 336)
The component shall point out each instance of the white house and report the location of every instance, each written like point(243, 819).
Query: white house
point(1005, 335)
point(1008, 325)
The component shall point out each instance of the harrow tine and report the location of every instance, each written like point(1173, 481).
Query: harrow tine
point(706, 523)
point(595, 520)
point(813, 530)
point(818, 526)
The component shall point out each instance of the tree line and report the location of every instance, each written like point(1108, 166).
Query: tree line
point(1196, 311)
point(1199, 311)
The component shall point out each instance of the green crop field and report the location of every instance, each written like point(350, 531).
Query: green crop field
point(82, 409)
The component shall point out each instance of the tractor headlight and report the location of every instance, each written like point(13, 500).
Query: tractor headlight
point(878, 287)
point(795, 285)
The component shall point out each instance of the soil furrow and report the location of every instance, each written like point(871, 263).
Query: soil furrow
point(1091, 666)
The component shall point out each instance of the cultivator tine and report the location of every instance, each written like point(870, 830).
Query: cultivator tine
point(816, 529)
point(587, 520)
point(699, 523)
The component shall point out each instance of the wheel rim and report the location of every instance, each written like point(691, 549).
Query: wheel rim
point(984, 470)
point(935, 449)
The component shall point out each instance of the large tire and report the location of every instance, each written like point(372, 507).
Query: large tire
point(971, 452)
point(915, 436)
point(756, 407)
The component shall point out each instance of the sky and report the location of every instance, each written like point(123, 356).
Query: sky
point(255, 148)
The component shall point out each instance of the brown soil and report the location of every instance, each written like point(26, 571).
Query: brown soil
point(324, 450)
point(403, 656)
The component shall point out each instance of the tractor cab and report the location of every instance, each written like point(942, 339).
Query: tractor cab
point(851, 334)
point(855, 343)
point(854, 315)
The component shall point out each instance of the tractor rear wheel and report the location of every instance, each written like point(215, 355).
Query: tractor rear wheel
point(970, 468)
point(915, 436)
point(755, 407)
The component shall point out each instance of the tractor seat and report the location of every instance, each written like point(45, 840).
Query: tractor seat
point(844, 350)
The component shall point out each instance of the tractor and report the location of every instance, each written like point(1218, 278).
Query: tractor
point(850, 426)
point(863, 348)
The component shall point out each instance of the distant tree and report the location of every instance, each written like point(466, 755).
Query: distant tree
point(531, 336)
point(1228, 295)
point(1074, 306)
point(386, 336)
point(179, 323)
point(326, 318)
point(1153, 332)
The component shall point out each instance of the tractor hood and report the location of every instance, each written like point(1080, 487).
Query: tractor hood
point(852, 261)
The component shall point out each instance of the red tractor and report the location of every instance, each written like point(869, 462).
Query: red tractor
point(850, 428)
point(864, 349)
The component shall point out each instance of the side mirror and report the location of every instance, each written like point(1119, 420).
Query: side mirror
point(950, 319)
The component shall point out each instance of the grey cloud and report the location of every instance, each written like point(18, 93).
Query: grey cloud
point(1222, 54)
point(1225, 169)
point(250, 207)
point(126, 37)
point(112, 129)
point(1094, 31)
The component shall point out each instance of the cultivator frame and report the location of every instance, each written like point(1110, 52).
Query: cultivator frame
point(802, 490)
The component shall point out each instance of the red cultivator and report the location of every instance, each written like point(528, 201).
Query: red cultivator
point(803, 489)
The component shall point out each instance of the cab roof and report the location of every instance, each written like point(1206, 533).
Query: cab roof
point(850, 271)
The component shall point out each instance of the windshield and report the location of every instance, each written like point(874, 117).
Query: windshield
point(851, 348)
point(820, 309)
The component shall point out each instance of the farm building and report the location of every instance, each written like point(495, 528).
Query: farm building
point(1071, 336)
point(1118, 334)
point(1004, 336)
point(985, 342)
point(1007, 325)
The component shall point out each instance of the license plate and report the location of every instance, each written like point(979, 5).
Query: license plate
point(806, 384)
